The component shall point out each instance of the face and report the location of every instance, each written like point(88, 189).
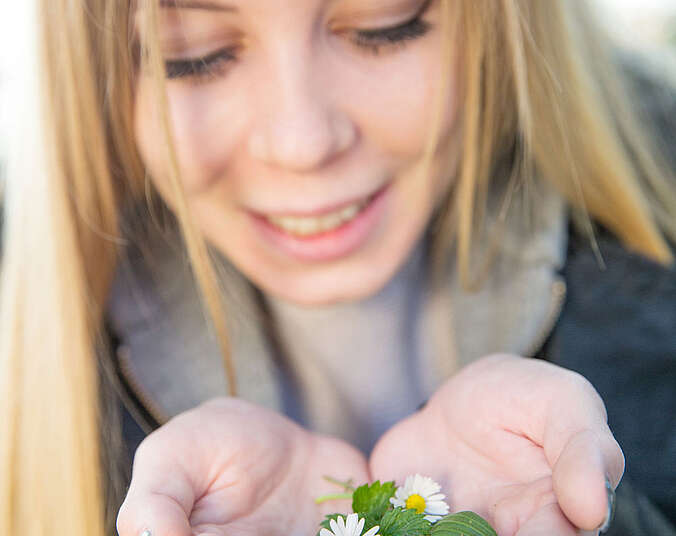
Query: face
point(300, 128)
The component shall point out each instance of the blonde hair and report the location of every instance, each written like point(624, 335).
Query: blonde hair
point(534, 76)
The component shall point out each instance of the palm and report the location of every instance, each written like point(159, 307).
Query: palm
point(501, 437)
point(491, 447)
point(250, 472)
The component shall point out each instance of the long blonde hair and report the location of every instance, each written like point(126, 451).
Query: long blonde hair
point(540, 79)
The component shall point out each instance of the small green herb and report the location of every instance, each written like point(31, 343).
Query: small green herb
point(371, 502)
point(400, 522)
point(374, 500)
point(462, 524)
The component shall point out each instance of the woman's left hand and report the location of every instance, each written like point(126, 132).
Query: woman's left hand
point(522, 442)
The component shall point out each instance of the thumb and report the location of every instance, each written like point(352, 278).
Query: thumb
point(585, 476)
point(582, 452)
point(152, 515)
point(160, 497)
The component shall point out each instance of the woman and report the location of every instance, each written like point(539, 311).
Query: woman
point(442, 130)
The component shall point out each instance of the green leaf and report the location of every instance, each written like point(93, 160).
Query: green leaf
point(325, 524)
point(400, 522)
point(370, 521)
point(462, 524)
point(374, 500)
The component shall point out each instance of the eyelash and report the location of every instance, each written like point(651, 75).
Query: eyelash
point(370, 40)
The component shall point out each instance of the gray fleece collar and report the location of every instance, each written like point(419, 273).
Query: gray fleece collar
point(173, 359)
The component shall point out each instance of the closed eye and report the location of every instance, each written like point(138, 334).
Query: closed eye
point(412, 29)
point(205, 65)
point(371, 40)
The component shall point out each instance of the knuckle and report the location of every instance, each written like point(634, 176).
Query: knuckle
point(574, 386)
point(578, 384)
point(147, 448)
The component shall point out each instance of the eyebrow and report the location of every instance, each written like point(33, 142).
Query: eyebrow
point(197, 4)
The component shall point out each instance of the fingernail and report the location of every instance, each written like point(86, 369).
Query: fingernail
point(611, 508)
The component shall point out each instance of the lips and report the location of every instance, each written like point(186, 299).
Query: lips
point(323, 245)
point(319, 212)
point(305, 226)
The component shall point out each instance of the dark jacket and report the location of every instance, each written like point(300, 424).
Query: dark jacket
point(618, 329)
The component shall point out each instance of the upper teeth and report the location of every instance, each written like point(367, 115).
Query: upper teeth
point(312, 225)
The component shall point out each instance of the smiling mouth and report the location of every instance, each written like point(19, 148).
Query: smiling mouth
point(329, 236)
point(312, 225)
point(304, 226)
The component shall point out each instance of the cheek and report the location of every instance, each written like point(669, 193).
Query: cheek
point(204, 133)
point(399, 105)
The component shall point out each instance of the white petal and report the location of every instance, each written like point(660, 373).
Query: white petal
point(435, 497)
point(325, 532)
point(428, 486)
point(335, 528)
point(397, 502)
point(360, 527)
point(433, 519)
point(371, 531)
point(351, 524)
point(436, 508)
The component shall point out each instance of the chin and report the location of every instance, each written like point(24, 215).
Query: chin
point(327, 291)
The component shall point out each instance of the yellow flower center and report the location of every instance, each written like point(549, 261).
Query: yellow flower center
point(416, 502)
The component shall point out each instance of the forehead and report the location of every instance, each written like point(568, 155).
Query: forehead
point(196, 16)
point(233, 6)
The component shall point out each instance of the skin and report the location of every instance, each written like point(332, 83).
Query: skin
point(230, 468)
point(301, 119)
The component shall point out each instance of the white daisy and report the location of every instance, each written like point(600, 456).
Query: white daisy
point(422, 494)
point(352, 527)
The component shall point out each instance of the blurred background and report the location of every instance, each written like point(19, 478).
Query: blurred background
point(648, 24)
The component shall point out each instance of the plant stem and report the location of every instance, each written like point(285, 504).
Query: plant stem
point(333, 496)
point(347, 486)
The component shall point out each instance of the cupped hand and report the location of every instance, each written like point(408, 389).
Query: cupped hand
point(521, 442)
point(229, 467)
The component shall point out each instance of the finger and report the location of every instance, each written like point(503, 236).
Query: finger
point(582, 452)
point(152, 515)
point(513, 505)
point(547, 521)
point(211, 531)
point(160, 496)
point(341, 461)
point(561, 411)
point(584, 475)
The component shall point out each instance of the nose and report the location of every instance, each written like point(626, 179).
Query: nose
point(298, 127)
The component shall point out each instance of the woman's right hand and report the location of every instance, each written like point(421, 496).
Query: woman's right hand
point(229, 467)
